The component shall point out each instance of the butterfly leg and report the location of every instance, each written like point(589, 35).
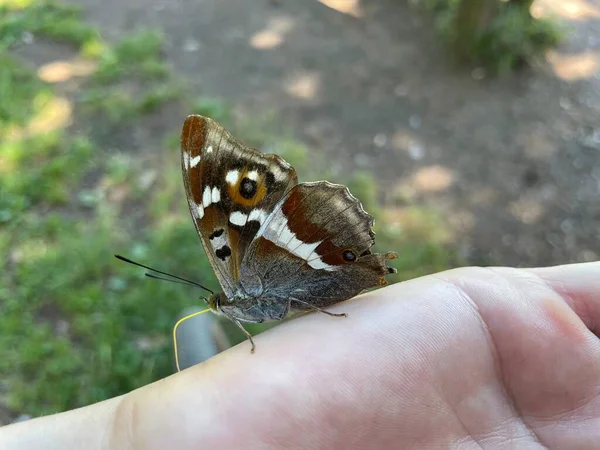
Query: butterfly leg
point(248, 335)
point(314, 308)
point(330, 313)
point(317, 309)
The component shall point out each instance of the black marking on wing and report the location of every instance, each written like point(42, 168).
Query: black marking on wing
point(223, 252)
point(270, 181)
point(248, 188)
point(216, 233)
point(349, 255)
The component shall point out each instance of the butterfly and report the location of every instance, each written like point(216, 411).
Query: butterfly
point(276, 246)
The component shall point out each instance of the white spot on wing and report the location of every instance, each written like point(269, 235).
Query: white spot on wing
point(186, 159)
point(286, 236)
point(281, 170)
point(238, 218)
point(253, 175)
point(216, 195)
point(258, 214)
point(206, 197)
point(303, 250)
point(220, 241)
point(197, 210)
point(318, 264)
point(274, 227)
point(209, 149)
point(194, 161)
point(232, 177)
point(277, 173)
point(279, 233)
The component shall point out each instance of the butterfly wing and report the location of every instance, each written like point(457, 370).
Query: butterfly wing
point(315, 249)
point(231, 190)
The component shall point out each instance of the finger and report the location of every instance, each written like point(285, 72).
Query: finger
point(579, 287)
point(547, 357)
point(89, 427)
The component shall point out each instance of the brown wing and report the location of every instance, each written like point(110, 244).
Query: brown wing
point(231, 190)
point(315, 249)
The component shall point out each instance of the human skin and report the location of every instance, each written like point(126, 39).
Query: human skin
point(470, 358)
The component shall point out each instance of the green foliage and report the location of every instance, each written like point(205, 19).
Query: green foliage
point(511, 39)
point(36, 164)
point(515, 38)
point(115, 104)
point(118, 105)
point(445, 12)
point(18, 89)
point(155, 98)
point(80, 327)
point(137, 54)
point(132, 78)
point(44, 18)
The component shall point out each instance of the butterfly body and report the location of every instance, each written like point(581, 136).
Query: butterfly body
point(249, 309)
point(275, 245)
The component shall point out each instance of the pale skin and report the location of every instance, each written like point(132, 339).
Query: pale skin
point(471, 358)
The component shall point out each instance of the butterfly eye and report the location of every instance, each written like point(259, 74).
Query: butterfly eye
point(349, 256)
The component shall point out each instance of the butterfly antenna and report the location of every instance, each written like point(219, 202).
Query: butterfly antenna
point(185, 283)
point(181, 280)
point(156, 277)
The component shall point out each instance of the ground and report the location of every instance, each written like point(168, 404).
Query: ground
point(458, 167)
point(513, 163)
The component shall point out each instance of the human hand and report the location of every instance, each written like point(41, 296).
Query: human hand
point(470, 358)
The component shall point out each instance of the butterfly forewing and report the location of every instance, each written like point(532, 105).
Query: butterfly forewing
point(231, 189)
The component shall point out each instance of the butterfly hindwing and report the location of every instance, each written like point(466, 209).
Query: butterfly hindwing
point(315, 249)
point(231, 189)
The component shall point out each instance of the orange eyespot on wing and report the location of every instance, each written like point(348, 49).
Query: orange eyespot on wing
point(246, 187)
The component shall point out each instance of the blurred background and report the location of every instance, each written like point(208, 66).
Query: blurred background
point(469, 128)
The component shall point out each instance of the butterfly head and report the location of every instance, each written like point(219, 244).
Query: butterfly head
point(215, 301)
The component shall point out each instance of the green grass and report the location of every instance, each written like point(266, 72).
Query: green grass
point(19, 88)
point(132, 79)
point(77, 325)
point(138, 54)
point(42, 18)
point(80, 326)
point(46, 160)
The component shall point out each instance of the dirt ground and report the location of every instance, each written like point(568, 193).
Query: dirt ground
point(512, 164)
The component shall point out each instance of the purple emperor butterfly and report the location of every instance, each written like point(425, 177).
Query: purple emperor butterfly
point(276, 246)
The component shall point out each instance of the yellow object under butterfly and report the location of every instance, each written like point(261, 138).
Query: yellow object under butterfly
point(179, 322)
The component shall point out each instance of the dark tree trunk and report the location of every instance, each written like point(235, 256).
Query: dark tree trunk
point(473, 18)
